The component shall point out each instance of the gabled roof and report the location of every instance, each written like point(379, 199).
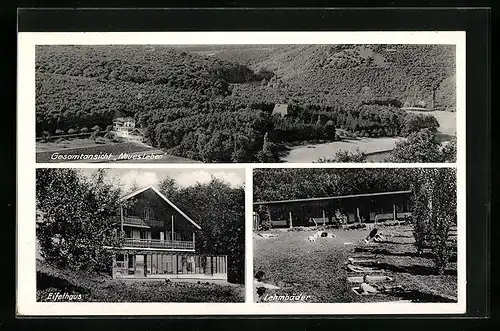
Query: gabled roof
point(141, 131)
point(333, 198)
point(130, 195)
point(124, 119)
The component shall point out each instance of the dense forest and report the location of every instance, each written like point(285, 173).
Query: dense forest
point(284, 184)
point(217, 107)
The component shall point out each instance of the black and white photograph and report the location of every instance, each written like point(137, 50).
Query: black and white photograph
point(241, 173)
point(140, 235)
point(246, 103)
point(355, 235)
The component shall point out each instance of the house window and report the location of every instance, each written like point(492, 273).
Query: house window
point(399, 208)
point(120, 257)
point(148, 213)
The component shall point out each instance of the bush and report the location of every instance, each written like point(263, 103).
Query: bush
point(109, 135)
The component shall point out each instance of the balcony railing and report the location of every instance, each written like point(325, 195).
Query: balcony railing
point(136, 220)
point(157, 243)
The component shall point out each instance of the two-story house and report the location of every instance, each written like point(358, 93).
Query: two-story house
point(160, 241)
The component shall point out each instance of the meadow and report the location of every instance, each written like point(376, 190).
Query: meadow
point(317, 268)
point(45, 150)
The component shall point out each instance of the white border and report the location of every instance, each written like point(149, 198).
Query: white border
point(26, 304)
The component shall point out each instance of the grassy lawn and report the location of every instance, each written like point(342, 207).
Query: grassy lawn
point(45, 150)
point(317, 268)
point(102, 288)
point(63, 144)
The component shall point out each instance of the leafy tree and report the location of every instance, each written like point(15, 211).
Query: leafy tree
point(434, 211)
point(95, 134)
point(74, 219)
point(108, 135)
point(346, 157)
point(329, 130)
point(220, 211)
point(266, 154)
point(421, 146)
point(449, 151)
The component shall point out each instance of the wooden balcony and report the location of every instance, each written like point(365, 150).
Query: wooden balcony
point(159, 244)
point(136, 220)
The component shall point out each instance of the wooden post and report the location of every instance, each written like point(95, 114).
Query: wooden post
point(193, 241)
point(269, 215)
point(394, 212)
point(121, 216)
point(172, 231)
point(113, 272)
point(357, 214)
point(324, 218)
point(176, 264)
point(291, 221)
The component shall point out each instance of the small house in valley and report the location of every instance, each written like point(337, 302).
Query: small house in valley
point(361, 208)
point(124, 127)
point(160, 241)
point(281, 109)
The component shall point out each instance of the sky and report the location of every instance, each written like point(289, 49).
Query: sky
point(183, 177)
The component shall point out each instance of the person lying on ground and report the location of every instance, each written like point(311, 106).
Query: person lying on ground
point(372, 234)
point(366, 288)
point(259, 275)
point(375, 236)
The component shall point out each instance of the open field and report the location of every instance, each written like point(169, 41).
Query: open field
point(312, 152)
point(102, 288)
point(77, 146)
point(317, 268)
point(68, 144)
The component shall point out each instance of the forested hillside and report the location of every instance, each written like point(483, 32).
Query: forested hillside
point(215, 105)
point(353, 73)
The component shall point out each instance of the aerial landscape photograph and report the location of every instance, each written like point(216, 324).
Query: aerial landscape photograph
point(246, 103)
